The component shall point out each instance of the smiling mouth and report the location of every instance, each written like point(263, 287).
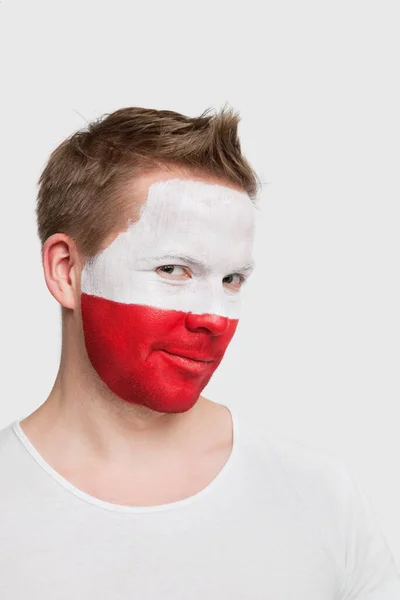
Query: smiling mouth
point(192, 359)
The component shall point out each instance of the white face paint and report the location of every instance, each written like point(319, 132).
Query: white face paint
point(205, 229)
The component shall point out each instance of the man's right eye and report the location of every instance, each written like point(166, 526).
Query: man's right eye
point(176, 272)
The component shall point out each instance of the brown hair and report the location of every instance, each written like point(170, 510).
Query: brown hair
point(81, 187)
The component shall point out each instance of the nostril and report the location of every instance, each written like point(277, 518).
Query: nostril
point(215, 324)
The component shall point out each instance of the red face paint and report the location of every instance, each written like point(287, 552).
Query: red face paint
point(158, 358)
point(161, 303)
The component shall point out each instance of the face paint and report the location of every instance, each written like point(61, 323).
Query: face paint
point(161, 303)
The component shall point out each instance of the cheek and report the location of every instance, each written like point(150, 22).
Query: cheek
point(122, 343)
point(120, 329)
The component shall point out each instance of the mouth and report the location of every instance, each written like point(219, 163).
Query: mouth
point(193, 365)
point(193, 358)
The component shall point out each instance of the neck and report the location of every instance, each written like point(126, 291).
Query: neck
point(81, 417)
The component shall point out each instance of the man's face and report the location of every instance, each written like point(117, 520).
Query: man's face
point(161, 303)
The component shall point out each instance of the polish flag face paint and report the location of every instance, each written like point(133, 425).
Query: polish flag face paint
point(161, 303)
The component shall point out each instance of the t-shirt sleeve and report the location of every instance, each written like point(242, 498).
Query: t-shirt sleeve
point(370, 569)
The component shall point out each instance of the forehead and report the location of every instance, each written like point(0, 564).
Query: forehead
point(187, 207)
point(207, 221)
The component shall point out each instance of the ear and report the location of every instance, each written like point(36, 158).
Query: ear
point(62, 267)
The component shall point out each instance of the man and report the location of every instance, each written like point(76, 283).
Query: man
point(127, 482)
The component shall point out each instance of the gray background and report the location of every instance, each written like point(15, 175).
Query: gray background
point(316, 355)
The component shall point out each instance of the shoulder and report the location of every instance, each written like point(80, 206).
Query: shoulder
point(11, 461)
point(9, 449)
point(301, 461)
point(7, 438)
point(309, 481)
point(323, 489)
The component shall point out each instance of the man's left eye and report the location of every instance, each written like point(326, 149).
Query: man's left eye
point(234, 281)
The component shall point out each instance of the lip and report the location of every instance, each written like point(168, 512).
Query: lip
point(195, 358)
point(187, 366)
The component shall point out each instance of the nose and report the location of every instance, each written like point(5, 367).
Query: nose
point(214, 324)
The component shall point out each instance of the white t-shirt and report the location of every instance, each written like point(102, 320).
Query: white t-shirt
point(280, 521)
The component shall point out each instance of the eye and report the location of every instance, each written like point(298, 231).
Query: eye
point(176, 272)
point(234, 281)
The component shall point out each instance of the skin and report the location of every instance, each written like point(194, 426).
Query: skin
point(100, 443)
point(169, 286)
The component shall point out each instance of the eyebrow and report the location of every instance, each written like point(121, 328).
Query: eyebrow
point(198, 263)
